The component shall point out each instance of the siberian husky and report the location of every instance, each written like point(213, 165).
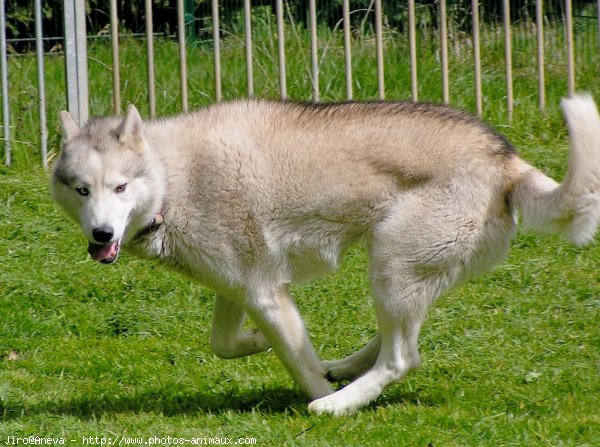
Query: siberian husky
point(249, 196)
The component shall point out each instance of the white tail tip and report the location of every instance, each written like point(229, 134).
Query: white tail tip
point(580, 107)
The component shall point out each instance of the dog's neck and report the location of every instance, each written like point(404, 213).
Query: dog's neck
point(156, 221)
point(152, 226)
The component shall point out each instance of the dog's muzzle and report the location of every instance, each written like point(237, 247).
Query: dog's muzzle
point(109, 252)
point(105, 253)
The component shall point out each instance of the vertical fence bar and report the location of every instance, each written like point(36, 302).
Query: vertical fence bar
point(217, 50)
point(248, 43)
point(116, 71)
point(508, 59)
point(314, 56)
point(539, 22)
point(4, 70)
point(444, 51)
point(412, 42)
point(477, 57)
point(570, 49)
point(39, 50)
point(76, 59)
point(347, 49)
point(150, 58)
point(379, 49)
point(182, 55)
point(281, 50)
point(598, 20)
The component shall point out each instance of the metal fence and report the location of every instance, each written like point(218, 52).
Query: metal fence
point(439, 24)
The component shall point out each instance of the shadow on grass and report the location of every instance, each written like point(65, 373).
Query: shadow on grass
point(164, 401)
point(170, 401)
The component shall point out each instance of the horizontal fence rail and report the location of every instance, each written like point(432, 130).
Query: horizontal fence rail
point(298, 39)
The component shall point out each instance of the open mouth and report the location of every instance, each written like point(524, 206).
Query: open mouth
point(105, 253)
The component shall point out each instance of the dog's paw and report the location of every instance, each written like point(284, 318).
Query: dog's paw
point(339, 371)
point(333, 375)
point(245, 343)
point(334, 404)
point(257, 341)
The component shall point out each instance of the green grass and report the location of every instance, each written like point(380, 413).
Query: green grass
point(511, 359)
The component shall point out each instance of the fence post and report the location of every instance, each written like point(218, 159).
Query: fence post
point(39, 49)
point(116, 71)
point(281, 50)
point(217, 50)
point(444, 51)
point(412, 43)
point(76, 60)
point(181, 32)
point(539, 22)
point(347, 49)
point(5, 105)
point(150, 58)
point(248, 44)
point(508, 59)
point(314, 48)
point(379, 50)
point(570, 47)
point(477, 57)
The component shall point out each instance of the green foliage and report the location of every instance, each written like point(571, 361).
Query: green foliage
point(133, 73)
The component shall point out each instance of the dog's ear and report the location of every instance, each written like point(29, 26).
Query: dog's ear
point(70, 127)
point(130, 129)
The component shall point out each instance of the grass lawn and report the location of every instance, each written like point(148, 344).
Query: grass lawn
point(511, 359)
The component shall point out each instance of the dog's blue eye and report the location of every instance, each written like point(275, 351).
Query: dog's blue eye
point(121, 188)
point(82, 191)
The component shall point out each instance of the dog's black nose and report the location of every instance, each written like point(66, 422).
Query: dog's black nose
point(103, 233)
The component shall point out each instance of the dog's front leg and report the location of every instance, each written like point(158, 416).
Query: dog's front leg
point(275, 314)
point(227, 339)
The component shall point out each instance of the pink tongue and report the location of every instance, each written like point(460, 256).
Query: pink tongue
point(100, 252)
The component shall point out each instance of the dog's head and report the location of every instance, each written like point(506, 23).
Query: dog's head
point(106, 178)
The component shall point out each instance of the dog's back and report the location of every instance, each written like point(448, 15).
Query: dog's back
point(298, 183)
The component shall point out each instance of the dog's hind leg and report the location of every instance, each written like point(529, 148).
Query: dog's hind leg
point(227, 339)
point(411, 266)
point(275, 314)
point(354, 365)
point(400, 314)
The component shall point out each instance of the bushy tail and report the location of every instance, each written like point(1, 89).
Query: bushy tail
point(573, 207)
